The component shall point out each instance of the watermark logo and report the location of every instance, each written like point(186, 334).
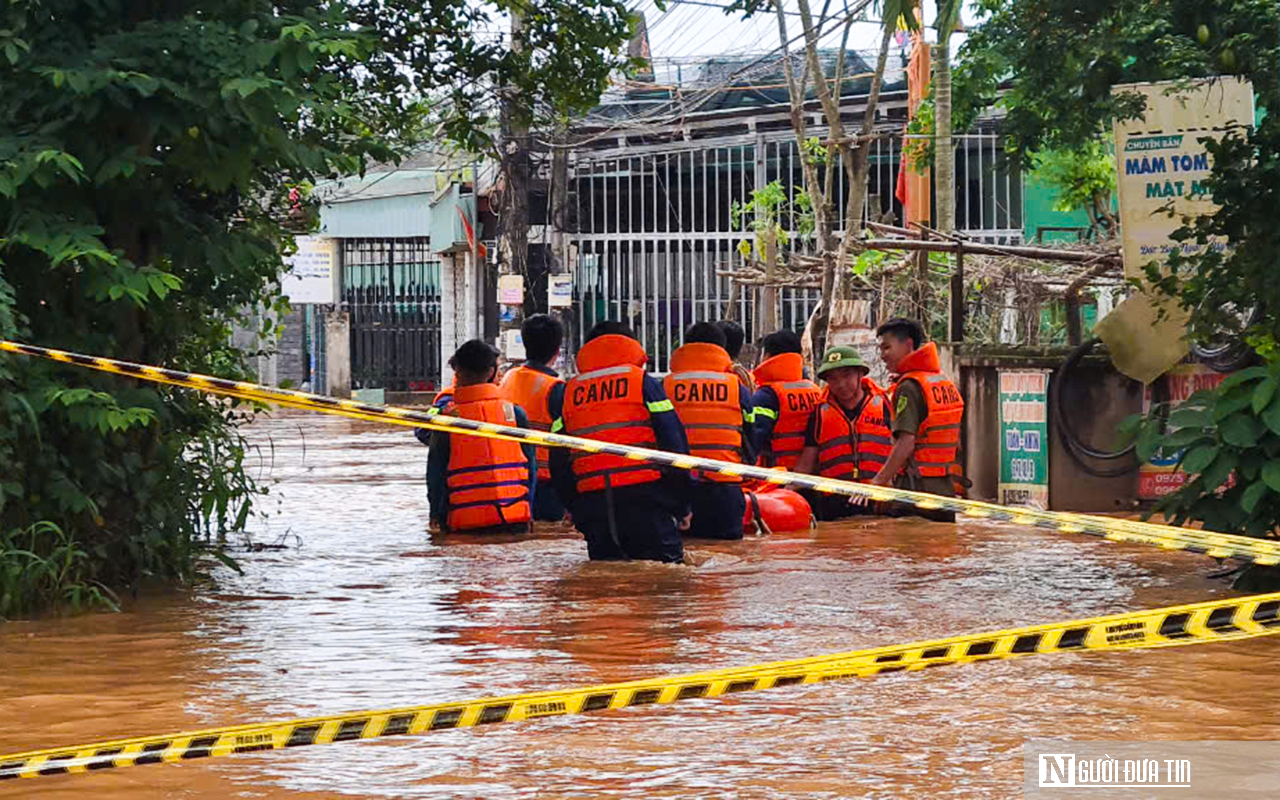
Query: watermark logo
point(1057, 769)
point(1150, 770)
point(1068, 771)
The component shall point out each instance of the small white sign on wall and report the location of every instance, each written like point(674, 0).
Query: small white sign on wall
point(311, 274)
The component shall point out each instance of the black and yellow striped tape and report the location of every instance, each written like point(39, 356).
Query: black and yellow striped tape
point(1199, 623)
point(1218, 545)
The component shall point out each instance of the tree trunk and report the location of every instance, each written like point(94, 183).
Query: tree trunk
point(559, 211)
point(853, 157)
point(823, 212)
point(859, 162)
point(767, 315)
point(944, 157)
point(515, 158)
point(558, 219)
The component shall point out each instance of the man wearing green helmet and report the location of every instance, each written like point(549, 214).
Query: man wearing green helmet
point(848, 437)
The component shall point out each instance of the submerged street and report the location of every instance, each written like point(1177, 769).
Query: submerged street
point(364, 609)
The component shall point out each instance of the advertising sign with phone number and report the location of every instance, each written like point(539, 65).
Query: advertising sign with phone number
point(1024, 432)
point(1162, 476)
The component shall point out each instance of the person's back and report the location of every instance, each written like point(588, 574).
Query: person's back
point(478, 484)
point(734, 338)
point(537, 388)
point(783, 402)
point(624, 508)
point(716, 411)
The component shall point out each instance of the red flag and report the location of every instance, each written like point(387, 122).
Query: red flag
point(471, 234)
point(901, 191)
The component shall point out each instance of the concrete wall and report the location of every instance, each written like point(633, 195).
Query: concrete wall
point(1097, 399)
point(291, 350)
point(980, 436)
point(282, 360)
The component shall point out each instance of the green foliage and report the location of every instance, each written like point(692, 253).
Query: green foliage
point(815, 151)
point(1215, 285)
point(1085, 179)
point(868, 260)
point(767, 214)
point(1051, 63)
point(147, 155)
point(918, 152)
point(1229, 444)
point(42, 565)
point(1080, 176)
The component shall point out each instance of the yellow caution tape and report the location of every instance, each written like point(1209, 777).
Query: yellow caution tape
point(1199, 623)
point(1218, 545)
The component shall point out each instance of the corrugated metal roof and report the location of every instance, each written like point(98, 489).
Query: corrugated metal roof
point(374, 185)
point(386, 216)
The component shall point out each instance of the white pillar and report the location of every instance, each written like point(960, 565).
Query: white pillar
point(461, 304)
point(337, 337)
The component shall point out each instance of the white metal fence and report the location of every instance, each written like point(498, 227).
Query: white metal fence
point(653, 226)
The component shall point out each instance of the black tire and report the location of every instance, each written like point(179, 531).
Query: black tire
point(1081, 452)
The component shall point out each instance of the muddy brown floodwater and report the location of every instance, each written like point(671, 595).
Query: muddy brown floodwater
point(366, 610)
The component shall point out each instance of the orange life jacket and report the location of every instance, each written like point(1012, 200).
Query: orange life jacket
point(605, 401)
point(488, 479)
point(797, 397)
point(854, 452)
point(938, 440)
point(529, 389)
point(706, 395)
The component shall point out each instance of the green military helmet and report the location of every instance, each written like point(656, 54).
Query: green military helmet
point(840, 357)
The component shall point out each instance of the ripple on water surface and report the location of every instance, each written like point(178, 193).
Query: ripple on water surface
point(363, 609)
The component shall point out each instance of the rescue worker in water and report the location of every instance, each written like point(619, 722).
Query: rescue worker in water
point(847, 437)
point(927, 409)
point(783, 402)
point(625, 509)
point(734, 338)
point(537, 388)
point(716, 411)
point(476, 484)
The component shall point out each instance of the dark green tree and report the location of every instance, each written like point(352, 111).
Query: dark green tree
point(147, 148)
point(1052, 65)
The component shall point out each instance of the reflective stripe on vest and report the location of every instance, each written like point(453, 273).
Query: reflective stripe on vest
point(608, 405)
point(530, 389)
point(938, 440)
point(796, 401)
point(710, 407)
point(853, 452)
point(487, 479)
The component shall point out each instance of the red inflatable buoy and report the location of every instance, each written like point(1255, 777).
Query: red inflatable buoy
point(780, 510)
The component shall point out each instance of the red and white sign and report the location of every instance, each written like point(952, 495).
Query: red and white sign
point(1162, 476)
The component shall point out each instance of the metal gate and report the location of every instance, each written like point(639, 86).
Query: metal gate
point(655, 233)
point(391, 289)
point(655, 236)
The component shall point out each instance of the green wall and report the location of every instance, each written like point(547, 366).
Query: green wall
point(1037, 211)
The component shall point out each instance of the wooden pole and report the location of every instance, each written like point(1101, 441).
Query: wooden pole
point(922, 281)
point(973, 248)
point(957, 299)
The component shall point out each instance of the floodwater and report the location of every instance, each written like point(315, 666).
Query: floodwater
point(365, 609)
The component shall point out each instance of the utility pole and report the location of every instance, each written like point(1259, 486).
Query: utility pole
point(558, 219)
point(514, 224)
